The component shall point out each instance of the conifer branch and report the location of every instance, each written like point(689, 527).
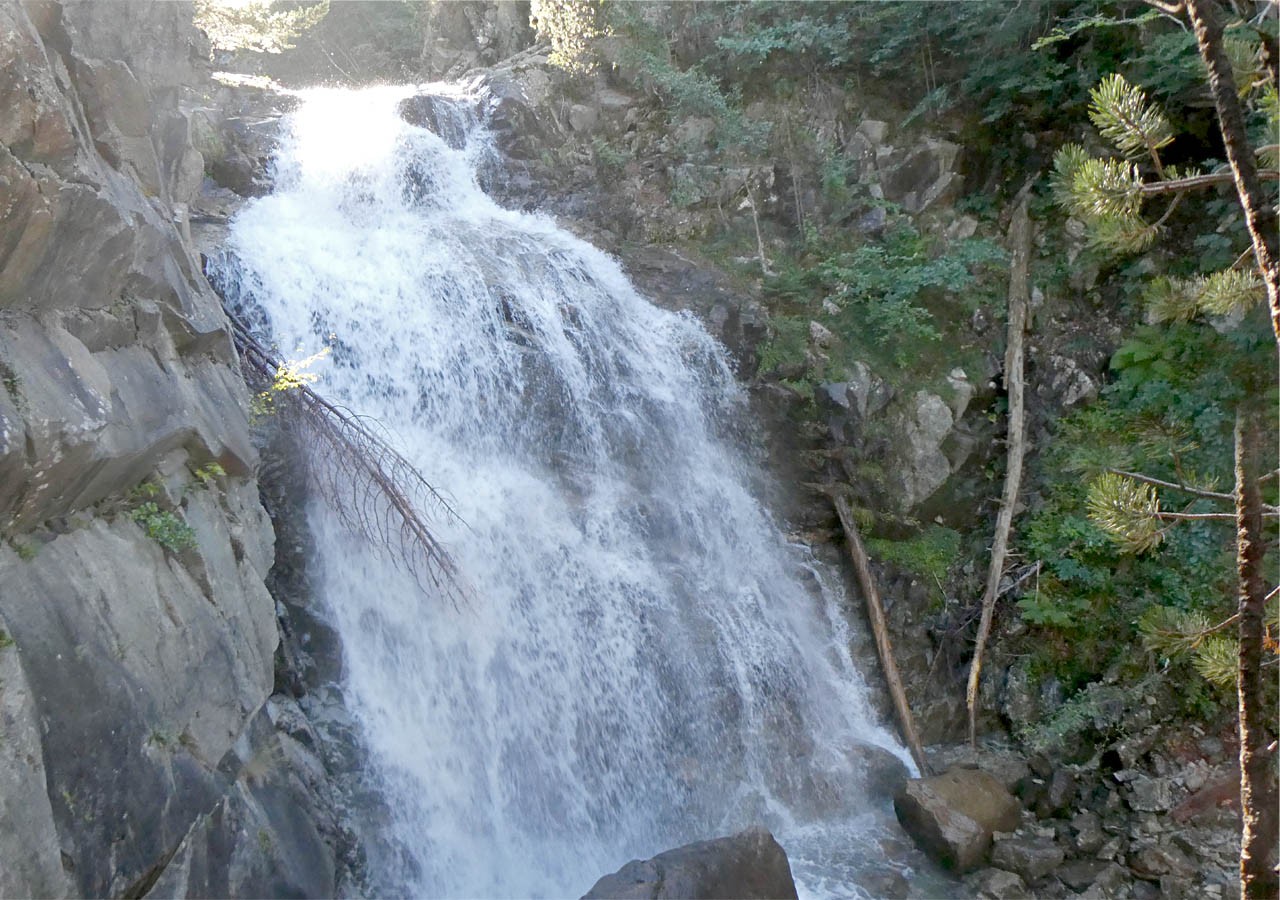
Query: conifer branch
point(1184, 488)
point(1195, 182)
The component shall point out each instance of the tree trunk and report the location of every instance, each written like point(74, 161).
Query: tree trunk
point(1257, 795)
point(1019, 299)
point(1260, 214)
point(875, 612)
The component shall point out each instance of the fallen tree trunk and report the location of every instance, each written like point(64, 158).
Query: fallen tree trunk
point(875, 612)
point(1014, 361)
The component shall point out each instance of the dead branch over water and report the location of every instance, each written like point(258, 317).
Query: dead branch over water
point(374, 490)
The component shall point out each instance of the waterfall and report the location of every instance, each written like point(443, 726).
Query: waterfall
point(643, 660)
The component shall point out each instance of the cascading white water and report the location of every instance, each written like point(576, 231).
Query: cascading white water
point(644, 661)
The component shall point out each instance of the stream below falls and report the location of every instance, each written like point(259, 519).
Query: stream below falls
point(641, 659)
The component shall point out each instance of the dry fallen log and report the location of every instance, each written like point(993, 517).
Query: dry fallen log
point(875, 612)
point(1014, 360)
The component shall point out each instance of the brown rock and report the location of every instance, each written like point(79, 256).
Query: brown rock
point(1032, 858)
point(952, 816)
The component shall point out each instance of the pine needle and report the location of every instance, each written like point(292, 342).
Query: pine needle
point(1128, 511)
point(1122, 113)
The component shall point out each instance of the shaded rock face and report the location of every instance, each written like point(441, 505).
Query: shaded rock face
point(457, 36)
point(136, 635)
point(113, 350)
point(952, 816)
point(750, 865)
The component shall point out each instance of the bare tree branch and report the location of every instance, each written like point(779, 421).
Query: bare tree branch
point(1174, 486)
point(1019, 318)
point(1194, 182)
point(372, 487)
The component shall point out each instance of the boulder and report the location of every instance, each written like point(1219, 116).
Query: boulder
point(1148, 794)
point(1088, 832)
point(1078, 874)
point(1059, 792)
point(1113, 881)
point(1160, 859)
point(997, 884)
point(952, 816)
point(1032, 858)
point(884, 774)
point(747, 865)
point(921, 429)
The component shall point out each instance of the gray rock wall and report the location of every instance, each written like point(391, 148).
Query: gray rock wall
point(133, 655)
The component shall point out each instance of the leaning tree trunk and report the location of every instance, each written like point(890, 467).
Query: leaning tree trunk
point(1257, 796)
point(1015, 383)
point(1260, 214)
point(880, 628)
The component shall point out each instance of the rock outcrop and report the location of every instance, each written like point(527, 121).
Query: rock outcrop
point(137, 639)
point(749, 865)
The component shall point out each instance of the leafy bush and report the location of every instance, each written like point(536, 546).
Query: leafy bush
point(164, 527)
point(1167, 414)
point(887, 296)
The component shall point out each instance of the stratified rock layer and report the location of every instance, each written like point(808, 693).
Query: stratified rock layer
point(136, 636)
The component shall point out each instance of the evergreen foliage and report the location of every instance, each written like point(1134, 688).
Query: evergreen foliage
point(264, 26)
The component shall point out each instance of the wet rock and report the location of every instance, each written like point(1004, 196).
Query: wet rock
point(1032, 858)
point(884, 882)
point(884, 773)
point(748, 865)
point(952, 816)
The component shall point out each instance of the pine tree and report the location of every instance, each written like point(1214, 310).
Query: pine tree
point(1112, 195)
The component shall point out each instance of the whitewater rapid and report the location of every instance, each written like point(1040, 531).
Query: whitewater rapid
point(643, 660)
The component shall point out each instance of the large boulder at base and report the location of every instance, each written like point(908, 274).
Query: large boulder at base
point(750, 865)
point(952, 816)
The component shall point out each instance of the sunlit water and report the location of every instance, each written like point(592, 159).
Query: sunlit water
point(643, 660)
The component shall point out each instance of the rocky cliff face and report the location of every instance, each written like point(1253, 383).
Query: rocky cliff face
point(139, 748)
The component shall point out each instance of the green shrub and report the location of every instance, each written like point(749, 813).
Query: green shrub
point(25, 549)
point(164, 527)
point(928, 555)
